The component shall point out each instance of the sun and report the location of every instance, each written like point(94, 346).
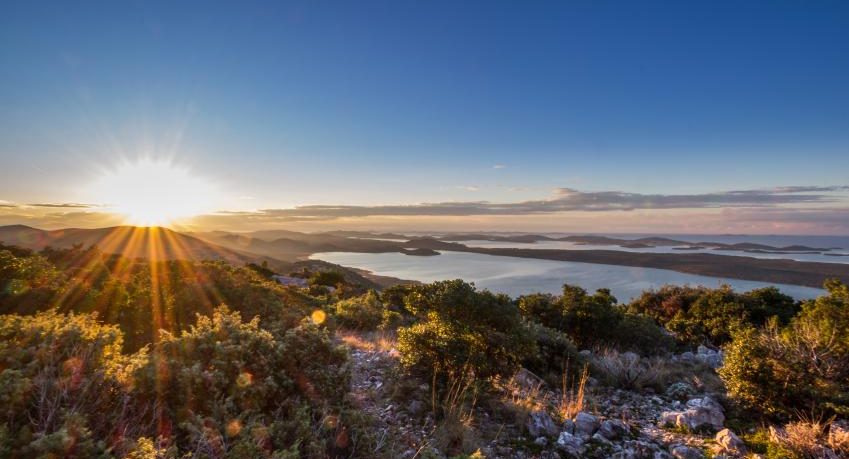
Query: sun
point(152, 192)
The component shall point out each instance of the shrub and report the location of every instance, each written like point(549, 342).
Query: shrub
point(227, 385)
point(626, 370)
point(327, 278)
point(59, 390)
point(699, 315)
point(638, 333)
point(364, 312)
point(27, 282)
point(461, 328)
point(802, 366)
point(555, 353)
point(595, 321)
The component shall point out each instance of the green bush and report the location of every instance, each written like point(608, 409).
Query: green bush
point(364, 312)
point(59, 388)
point(800, 367)
point(698, 315)
point(595, 321)
point(555, 353)
point(225, 379)
point(461, 328)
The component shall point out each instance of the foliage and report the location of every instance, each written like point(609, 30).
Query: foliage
point(223, 388)
point(699, 315)
point(802, 366)
point(229, 385)
point(58, 377)
point(200, 381)
point(555, 353)
point(142, 297)
point(594, 320)
point(462, 328)
point(365, 312)
point(327, 278)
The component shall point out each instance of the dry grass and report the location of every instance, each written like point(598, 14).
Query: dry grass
point(627, 370)
point(384, 341)
point(572, 394)
point(455, 433)
point(807, 438)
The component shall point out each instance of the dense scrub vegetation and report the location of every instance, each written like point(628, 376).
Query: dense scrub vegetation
point(102, 356)
point(461, 329)
point(802, 366)
point(109, 357)
point(699, 315)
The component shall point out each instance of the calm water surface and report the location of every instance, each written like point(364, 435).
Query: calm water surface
point(566, 245)
point(517, 276)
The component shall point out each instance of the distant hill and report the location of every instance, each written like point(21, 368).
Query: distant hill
point(291, 245)
point(153, 243)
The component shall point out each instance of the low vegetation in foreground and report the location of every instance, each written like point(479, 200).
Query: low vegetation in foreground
point(104, 356)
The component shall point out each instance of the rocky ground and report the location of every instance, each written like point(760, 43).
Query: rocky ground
point(523, 418)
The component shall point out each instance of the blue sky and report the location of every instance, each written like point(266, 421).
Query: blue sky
point(373, 103)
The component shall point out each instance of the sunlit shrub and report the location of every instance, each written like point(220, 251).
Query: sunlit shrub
point(228, 379)
point(803, 366)
point(59, 391)
point(365, 312)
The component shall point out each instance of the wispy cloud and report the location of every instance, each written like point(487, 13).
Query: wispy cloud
point(67, 205)
point(469, 188)
point(567, 200)
point(499, 166)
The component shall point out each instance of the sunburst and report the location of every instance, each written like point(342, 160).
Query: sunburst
point(151, 192)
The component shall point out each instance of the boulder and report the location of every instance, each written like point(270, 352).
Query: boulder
point(686, 452)
point(585, 424)
point(700, 412)
point(598, 438)
point(570, 444)
point(612, 429)
point(525, 379)
point(540, 424)
point(729, 442)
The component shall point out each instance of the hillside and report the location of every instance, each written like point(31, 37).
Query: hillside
point(153, 243)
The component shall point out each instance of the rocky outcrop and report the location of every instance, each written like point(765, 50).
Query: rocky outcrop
point(585, 424)
point(701, 413)
point(540, 424)
point(730, 443)
point(612, 429)
point(570, 444)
